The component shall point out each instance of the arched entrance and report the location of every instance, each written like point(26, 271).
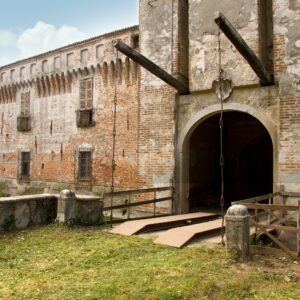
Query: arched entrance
point(248, 155)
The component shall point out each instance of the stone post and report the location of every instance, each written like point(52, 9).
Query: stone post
point(66, 207)
point(238, 231)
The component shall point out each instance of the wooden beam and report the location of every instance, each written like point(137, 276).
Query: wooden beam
point(255, 199)
point(272, 207)
point(266, 35)
point(279, 227)
point(132, 204)
point(152, 67)
point(138, 191)
point(279, 243)
point(265, 77)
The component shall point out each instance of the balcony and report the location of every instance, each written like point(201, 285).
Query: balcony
point(23, 123)
point(85, 118)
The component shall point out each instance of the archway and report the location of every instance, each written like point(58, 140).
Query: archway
point(248, 154)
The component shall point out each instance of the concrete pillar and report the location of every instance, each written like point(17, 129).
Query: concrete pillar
point(66, 207)
point(238, 231)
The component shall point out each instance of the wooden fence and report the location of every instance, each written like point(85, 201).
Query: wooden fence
point(271, 212)
point(125, 200)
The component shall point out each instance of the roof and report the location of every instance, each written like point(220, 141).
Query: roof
point(112, 33)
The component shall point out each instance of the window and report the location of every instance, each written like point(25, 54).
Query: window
point(85, 165)
point(86, 93)
point(84, 56)
point(85, 118)
point(85, 114)
point(23, 120)
point(24, 170)
point(22, 73)
point(135, 41)
point(45, 66)
point(25, 104)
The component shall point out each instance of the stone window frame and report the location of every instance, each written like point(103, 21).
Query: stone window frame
point(80, 150)
point(21, 155)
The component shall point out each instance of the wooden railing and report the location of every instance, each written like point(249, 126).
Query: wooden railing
point(272, 214)
point(125, 200)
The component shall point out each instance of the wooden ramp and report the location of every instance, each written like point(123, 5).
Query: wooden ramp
point(133, 227)
point(178, 237)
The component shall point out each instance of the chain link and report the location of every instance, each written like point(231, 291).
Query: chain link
point(221, 125)
point(114, 134)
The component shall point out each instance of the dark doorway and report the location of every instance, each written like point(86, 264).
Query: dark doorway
point(248, 153)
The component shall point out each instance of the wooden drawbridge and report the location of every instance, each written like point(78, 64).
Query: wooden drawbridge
point(181, 229)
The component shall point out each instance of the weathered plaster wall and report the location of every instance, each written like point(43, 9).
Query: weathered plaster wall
point(287, 68)
point(160, 38)
point(277, 107)
point(261, 103)
point(204, 42)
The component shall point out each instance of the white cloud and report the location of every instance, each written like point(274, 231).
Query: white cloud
point(44, 37)
point(7, 38)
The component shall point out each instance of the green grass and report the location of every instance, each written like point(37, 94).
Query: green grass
point(57, 262)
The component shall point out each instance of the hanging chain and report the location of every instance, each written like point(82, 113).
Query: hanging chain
point(221, 125)
point(113, 162)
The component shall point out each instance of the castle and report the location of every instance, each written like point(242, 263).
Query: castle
point(57, 108)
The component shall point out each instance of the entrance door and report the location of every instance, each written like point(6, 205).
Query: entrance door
point(248, 165)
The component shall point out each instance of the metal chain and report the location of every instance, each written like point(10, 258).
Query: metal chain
point(221, 125)
point(113, 162)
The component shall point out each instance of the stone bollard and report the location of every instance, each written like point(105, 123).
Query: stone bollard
point(66, 207)
point(238, 231)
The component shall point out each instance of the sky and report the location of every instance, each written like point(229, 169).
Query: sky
point(30, 27)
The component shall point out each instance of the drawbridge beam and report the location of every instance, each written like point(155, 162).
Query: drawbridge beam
point(152, 67)
point(228, 29)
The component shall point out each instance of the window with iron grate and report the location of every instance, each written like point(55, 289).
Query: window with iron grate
point(85, 165)
point(25, 164)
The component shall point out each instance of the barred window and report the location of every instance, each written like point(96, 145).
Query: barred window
point(86, 93)
point(25, 164)
point(25, 104)
point(85, 165)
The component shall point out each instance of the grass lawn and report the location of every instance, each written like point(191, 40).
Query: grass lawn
point(57, 262)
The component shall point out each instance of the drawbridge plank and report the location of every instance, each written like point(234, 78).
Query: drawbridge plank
point(133, 227)
point(178, 237)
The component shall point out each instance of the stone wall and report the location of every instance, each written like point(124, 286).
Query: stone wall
point(163, 35)
point(153, 122)
point(287, 68)
point(21, 212)
point(53, 80)
point(276, 107)
point(24, 211)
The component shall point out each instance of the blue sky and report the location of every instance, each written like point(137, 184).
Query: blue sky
point(29, 27)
